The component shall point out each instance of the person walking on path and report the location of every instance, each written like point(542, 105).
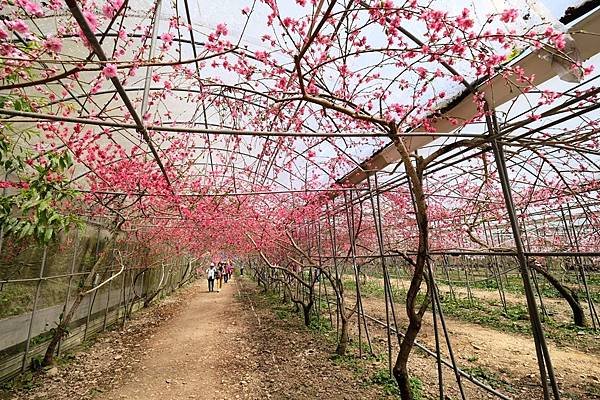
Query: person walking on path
point(230, 269)
point(226, 272)
point(211, 274)
point(219, 278)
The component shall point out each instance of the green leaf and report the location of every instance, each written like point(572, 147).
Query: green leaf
point(48, 235)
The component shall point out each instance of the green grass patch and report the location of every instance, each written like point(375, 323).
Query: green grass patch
point(23, 382)
point(390, 386)
point(15, 300)
point(350, 362)
point(372, 288)
point(387, 382)
point(321, 325)
point(483, 374)
point(515, 320)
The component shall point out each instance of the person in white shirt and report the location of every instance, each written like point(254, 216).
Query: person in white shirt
point(211, 273)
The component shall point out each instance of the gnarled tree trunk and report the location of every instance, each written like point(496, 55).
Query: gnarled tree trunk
point(414, 310)
point(567, 293)
point(61, 330)
point(342, 345)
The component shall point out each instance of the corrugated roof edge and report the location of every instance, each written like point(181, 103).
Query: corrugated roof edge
point(574, 12)
point(571, 15)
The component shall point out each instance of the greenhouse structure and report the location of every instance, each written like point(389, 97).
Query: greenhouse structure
point(392, 199)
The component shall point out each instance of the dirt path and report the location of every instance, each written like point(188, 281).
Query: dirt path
point(237, 344)
point(187, 359)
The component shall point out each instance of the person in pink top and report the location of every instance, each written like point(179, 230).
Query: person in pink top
point(227, 270)
point(230, 269)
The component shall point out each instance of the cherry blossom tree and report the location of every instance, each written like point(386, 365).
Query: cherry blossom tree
point(210, 142)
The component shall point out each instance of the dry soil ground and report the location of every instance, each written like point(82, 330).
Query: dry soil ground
point(199, 345)
point(504, 360)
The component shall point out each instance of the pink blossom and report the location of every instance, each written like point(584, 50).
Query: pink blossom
point(18, 26)
point(109, 71)
point(221, 29)
point(117, 4)
point(3, 34)
point(559, 41)
point(53, 44)
point(282, 83)
point(463, 21)
point(30, 7)
point(421, 71)
point(167, 37)
point(509, 15)
point(108, 11)
point(96, 87)
point(91, 19)
point(344, 71)
point(261, 55)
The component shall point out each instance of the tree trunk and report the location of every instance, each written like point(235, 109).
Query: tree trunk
point(568, 294)
point(306, 312)
point(148, 300)
point(343, 342)
point(400, 369)
point(414, 311)
point(286, 297)
point(61, 329)
point(306, 308)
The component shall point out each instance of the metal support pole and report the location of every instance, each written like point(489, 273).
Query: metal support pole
point(147, 79)
point(1, 238)
point(445, 266)
point(389, 301)
point(438, 349)
point(468, 282)
point(351, 232)
point(320, 250)
point(35, 301)
point(97, 48)
point(121, 296)
point(67, 298)
point(339, 302)
point(543, 356)
point(93, 298)
point(438, 304)
point(2, 231)
point(496, 268)
point(533, 273)
point(581, 269)
point(106, 309)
